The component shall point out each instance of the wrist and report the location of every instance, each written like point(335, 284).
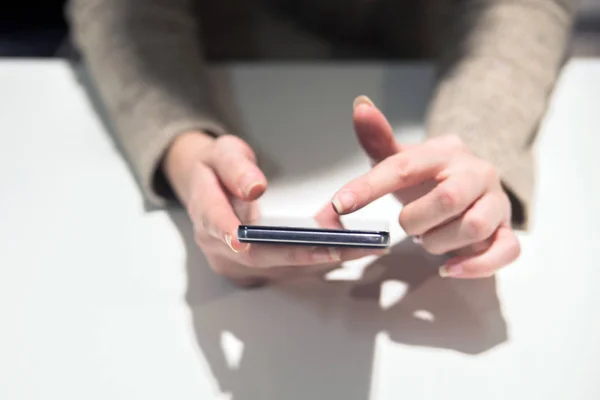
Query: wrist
point(181, 156)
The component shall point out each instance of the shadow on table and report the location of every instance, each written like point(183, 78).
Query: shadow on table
point(316, 338)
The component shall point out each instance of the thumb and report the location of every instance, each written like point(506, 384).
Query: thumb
point(234, 162)
point(373, 130)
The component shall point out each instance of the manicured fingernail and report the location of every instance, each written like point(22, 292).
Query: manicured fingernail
point(249, 184)
point(228, 241)
point(363, 100)
point(447, 271)
point(344, 202)
point(326, 254)
point(417, 239)
point(254, 189)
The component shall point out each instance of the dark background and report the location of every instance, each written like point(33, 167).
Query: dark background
point(38, 29)
point(34, 28)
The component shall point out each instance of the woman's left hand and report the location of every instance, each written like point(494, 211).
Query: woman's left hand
point(465, 211)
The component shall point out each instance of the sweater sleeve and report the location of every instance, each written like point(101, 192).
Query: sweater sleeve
point(499, 63)
point(145, 60)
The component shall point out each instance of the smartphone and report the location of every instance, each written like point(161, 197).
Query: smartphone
point(309, 232)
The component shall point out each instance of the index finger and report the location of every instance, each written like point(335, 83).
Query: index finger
point(408, 168)
point(211, 212)
point(374, 132)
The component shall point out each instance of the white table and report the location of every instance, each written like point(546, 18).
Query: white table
point(100, 299)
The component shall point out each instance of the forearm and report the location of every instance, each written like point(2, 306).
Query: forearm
point(500, 64)
point(147, 65)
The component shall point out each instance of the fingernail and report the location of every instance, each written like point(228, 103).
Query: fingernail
point(417, 239)
point(249, 183)
point(344, 202)
point(447, 271)
point(363, 100)
point(325, 254)
point(228, 241)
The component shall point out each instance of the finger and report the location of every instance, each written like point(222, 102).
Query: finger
point(223, 264)
point(270, 256)
point(475, 225)
point(235, 164)
point(408, 168)
point(261, 256)
point(449, 199)
point(349, 254)
point(210, 210)
point(471, 231)
point(474, 248)
point(328, 218)
point(247, 212)
point(373, 130)
point(504, 250)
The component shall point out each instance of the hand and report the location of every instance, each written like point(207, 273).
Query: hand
point(461, 208)
point(219, 182)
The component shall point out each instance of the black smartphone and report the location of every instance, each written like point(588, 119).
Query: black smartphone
point(309, 232)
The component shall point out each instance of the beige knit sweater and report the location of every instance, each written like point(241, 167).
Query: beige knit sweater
point(498, 62)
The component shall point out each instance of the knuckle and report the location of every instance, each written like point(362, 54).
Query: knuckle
point(432, 247)
point(489, 172)
point(477, 227)
point(202, 222)
point(401, 168)
point(448, 198)
point(205, 223)
point(481, 245)
point(406, 222)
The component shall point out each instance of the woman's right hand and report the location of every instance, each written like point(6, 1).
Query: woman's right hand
point(219, 182)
